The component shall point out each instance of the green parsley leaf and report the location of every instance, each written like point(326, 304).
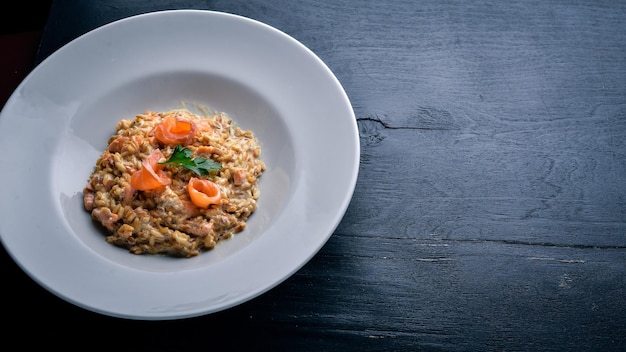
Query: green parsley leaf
point(184, 157)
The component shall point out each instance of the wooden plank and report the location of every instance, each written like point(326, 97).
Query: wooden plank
point(490, 209)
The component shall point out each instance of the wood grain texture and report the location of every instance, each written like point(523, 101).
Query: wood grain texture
point(490, 209)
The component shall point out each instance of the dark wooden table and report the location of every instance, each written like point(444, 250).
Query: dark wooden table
point(490, 209)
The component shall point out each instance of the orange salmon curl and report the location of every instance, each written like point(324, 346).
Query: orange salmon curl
point(174, 130)
point(151, 175)
point(203, 192)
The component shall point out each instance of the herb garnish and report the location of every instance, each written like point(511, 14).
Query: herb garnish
point(184, 157)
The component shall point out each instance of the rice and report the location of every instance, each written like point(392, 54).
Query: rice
point(165, 220)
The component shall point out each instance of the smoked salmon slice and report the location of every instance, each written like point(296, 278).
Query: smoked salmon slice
point(175, 130)
point(203, 192)
point(151, 175)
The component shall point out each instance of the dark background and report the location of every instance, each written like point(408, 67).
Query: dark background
point(490, 209)
point(21, 28)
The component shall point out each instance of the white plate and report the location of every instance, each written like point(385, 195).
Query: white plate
point(55, 125)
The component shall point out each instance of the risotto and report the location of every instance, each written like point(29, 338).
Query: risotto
point(175, 182)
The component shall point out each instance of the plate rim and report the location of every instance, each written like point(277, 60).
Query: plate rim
point(346, 199)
